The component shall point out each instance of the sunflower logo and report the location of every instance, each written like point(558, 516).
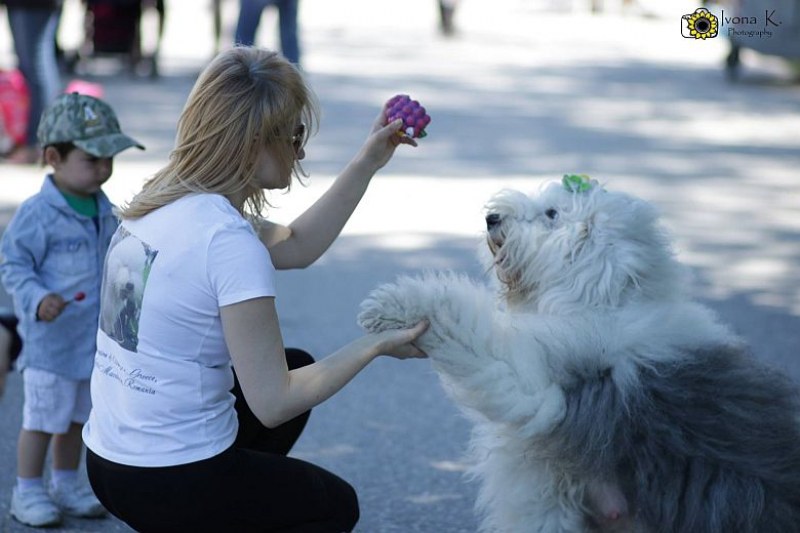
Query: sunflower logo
point(701, 24)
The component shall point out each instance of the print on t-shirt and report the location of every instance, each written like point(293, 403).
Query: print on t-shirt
point(128, 265)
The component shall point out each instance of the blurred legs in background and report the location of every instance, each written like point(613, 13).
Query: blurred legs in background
point(250, 17)
point(34, 33)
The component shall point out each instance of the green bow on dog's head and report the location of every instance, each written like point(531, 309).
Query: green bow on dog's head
point(578, 182)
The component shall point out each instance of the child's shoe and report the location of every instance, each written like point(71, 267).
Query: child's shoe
point(34, 508)
point(77, 499)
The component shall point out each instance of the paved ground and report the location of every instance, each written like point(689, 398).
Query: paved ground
point(526, 92)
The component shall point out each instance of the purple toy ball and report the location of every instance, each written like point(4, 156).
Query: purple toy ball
point(415, 118)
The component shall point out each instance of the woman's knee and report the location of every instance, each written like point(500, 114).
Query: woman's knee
point(347, 508)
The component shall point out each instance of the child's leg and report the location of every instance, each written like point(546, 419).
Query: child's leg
point(30, 503)
point(67, 448)
point(67, 442)
point(31, 453)
point(72, 496)
point(55, 410)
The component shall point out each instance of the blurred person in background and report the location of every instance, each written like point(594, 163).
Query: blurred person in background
point(250, 17)
point(447, 11)
point(33, 26)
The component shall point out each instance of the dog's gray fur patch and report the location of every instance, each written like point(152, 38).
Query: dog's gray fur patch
point(704, 443)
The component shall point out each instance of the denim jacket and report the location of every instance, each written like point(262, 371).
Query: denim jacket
point(50, 248)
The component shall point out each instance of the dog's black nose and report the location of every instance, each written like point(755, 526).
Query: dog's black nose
point(492, 220)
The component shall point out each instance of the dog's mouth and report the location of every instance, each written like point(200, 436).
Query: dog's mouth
point(494, 237)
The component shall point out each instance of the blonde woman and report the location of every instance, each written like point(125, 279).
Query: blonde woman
point(188, 292)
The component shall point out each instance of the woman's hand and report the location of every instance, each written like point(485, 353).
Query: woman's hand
point(383, 139)
point(399, 343)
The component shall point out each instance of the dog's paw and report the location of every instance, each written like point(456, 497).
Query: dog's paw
point(391, 306)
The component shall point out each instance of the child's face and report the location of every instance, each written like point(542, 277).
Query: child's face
point(79, 173)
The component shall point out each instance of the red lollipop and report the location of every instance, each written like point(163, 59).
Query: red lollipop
point(80, 295)
point(414, 116)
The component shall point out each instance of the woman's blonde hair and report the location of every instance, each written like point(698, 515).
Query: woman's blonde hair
point(245, 98)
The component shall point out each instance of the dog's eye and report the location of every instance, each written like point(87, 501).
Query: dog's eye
point(551, 213)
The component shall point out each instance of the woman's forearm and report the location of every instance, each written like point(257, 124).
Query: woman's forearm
point(311, 385)
point(312, 233)
point(273, 393)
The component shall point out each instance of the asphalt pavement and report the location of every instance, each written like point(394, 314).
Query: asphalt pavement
point(524, 92)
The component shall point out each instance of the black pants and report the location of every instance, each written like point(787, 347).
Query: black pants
point(9, 321)
point(252, 486)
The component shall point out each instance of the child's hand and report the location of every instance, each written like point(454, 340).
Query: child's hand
point(50, 307)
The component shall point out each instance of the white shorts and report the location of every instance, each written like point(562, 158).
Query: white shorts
point(53, 402)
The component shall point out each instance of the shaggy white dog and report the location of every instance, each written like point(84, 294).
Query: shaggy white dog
point(603, 398)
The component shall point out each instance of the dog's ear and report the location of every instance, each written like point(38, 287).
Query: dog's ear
point(595, 226)
point(631, 241)
point(589, 230)
point(580, 233)
point(606, 255)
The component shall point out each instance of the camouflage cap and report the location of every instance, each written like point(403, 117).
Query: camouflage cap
point(87, 122)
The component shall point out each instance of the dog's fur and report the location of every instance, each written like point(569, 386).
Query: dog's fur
point(602, 396)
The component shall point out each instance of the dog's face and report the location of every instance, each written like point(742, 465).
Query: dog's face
point(566, 249)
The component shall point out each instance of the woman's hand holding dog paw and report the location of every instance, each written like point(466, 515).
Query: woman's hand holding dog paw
point(399, 343)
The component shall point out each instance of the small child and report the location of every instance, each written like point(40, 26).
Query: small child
point(53, 248)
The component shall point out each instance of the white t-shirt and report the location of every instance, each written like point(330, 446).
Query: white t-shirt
point(162, 377)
